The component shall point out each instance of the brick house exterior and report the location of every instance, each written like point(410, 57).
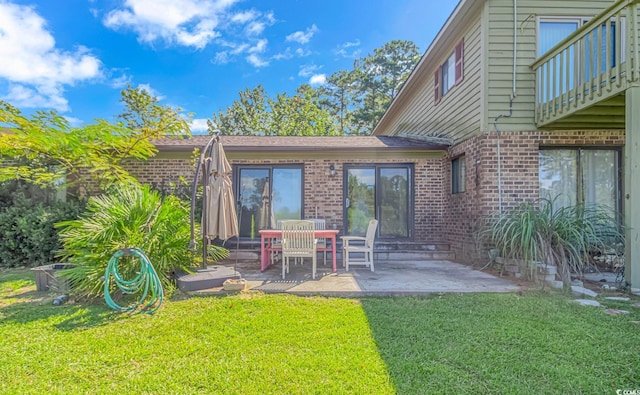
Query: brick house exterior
point(323, 193)
point(474, 121)
point(533, 98)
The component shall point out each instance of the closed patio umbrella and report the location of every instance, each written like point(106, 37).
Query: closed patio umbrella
point(219, 218)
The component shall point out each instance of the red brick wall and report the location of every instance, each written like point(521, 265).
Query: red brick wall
point(519, 179)
point(162, 171)
point(439, 215)
point(323, 192)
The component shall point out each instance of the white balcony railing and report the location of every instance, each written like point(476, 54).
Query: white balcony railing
point(596, 62)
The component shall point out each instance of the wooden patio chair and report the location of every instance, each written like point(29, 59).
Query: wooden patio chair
point(359, 245)
point(298, 241)
point(322, 243)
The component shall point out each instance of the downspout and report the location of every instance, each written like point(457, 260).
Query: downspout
point(511, 97)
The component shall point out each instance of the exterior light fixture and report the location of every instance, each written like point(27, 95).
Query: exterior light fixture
point(332, 170)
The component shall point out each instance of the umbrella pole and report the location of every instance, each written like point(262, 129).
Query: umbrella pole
point(235, 264)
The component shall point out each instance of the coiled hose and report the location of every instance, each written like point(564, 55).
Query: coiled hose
point(146, 282)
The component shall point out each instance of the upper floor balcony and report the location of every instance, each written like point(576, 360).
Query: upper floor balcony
point(581, 81)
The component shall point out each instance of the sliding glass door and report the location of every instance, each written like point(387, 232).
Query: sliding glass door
point(267, 194)
point(382, 192)
point(580, 176)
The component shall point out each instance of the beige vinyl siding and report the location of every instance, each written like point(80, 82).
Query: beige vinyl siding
point(500, 55)
point(457, 116)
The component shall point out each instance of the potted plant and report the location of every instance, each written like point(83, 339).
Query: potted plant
point(546, 234)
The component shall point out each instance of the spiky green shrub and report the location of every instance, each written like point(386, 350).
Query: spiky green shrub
point(565, 236)
point(129, 216)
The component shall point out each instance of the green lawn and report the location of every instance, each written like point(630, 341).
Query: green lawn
point(280, 344)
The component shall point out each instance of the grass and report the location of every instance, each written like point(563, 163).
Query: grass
point(274, 344)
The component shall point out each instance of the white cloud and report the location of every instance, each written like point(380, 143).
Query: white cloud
point(196, 24)
point(302, 52)
point(283, 55)
point(74, 122)
point(198, 126)
point(239, 48)
point(344, 51)
point(253, 51)
point(244, 17)
point(308, 69)
point(302, 37)
point(37, 97)
point(259, 47)
point(255, 28)
point(151, 91)
point(121, 82)
point(191, 23)
point(318, 79)
point(37, 71)
point(221, 58)
point(257, 61)
point(269, 18)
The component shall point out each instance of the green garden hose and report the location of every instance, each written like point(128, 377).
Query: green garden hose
point(146, 283)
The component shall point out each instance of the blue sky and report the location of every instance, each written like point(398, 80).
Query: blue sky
point(74, 56)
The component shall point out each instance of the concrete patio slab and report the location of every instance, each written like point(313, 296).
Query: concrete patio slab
point(389, 279)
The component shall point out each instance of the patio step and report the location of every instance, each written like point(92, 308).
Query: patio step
point(384, 251)
point(388, 251)
point(394, 256)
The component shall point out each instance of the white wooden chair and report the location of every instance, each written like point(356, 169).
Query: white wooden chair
point(298, 241)
point(359, 245)
point(322, 243)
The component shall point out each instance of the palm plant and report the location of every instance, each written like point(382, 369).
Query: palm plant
point(128, 216)
point(564, 236)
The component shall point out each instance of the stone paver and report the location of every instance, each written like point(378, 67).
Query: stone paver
point(588, 302)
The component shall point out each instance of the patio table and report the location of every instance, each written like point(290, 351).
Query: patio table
point(268, 235)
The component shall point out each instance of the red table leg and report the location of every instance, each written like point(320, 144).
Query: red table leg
point(333, 251)
point(263, 254)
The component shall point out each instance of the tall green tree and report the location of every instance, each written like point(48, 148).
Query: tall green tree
point(146, 117)
point(378, 79)
point(43, 149)
point(336, 96)
point(248, 115)
point(258, 115)
point(350, 103)
point(301, 114)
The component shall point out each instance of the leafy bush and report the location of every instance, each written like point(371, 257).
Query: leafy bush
point(27, 233)
point(562, 236)
point(129, 216)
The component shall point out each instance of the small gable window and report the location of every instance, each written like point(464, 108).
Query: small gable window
point(450, 73)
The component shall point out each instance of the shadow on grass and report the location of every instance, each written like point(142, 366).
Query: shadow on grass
point(32, 306)
point(21, 303)
point(503, 343)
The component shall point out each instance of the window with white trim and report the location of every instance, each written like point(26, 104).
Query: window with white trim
point(450, 73)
